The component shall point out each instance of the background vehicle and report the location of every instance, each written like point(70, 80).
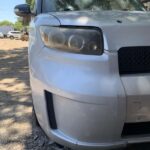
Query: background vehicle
point(1, 35)
point(90, 71)
point(14, 34)
point(5, 29)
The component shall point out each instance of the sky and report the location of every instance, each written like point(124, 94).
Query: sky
point(7, 9)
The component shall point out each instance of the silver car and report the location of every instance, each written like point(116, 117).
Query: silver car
point(14, 35)
point(1, 35)
point(90, 71)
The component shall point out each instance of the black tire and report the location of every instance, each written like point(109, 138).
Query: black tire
point(11, 37)
point(35, 122)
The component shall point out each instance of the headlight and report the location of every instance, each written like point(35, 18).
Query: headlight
point(73, 39)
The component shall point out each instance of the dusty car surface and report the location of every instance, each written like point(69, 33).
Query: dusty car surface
point(90, 71)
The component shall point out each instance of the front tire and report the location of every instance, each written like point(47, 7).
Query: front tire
point(11, 37)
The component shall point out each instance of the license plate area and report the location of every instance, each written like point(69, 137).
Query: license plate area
point(137, 89)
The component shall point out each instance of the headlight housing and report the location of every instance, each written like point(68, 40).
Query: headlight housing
point(73, 39)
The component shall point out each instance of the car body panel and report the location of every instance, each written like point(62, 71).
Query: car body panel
point(132, 24)
point(82, 107)
point(91, 99)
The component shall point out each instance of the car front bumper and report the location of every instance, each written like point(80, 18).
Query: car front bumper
point(88, 98)
point(80, 125)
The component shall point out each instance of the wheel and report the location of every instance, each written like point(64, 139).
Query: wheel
point(34, 119)
point(11, 37)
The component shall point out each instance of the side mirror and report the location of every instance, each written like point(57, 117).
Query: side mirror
point(22, 10)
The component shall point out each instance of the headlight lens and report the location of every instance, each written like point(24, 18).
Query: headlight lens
point(76, 40)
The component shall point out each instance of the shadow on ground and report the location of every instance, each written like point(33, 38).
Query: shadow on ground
point(16, 129)
point(15, 99)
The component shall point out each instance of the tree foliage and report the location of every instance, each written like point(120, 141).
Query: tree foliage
point(6, 23)
point(31, 3)
point(17, 25)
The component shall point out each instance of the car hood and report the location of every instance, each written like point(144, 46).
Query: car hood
point(120, 28)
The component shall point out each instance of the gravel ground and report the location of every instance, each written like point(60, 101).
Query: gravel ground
point(16, 128)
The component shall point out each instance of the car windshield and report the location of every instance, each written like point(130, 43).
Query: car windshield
point(123, 5)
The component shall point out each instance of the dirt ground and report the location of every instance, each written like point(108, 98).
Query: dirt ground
point(16, 129)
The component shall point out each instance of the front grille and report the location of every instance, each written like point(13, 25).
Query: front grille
point(133, 60)
point(136, 129)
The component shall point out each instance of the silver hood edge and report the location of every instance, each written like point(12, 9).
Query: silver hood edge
point(120, 28)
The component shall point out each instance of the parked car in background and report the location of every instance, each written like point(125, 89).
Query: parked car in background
point(89, 66)
point(1, 35)
point(14, 34)
point(5, 29)
point(24, 36)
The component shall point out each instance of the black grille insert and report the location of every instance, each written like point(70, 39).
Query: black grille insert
point(136, 129)
point(133, 60)
point(50, 110)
